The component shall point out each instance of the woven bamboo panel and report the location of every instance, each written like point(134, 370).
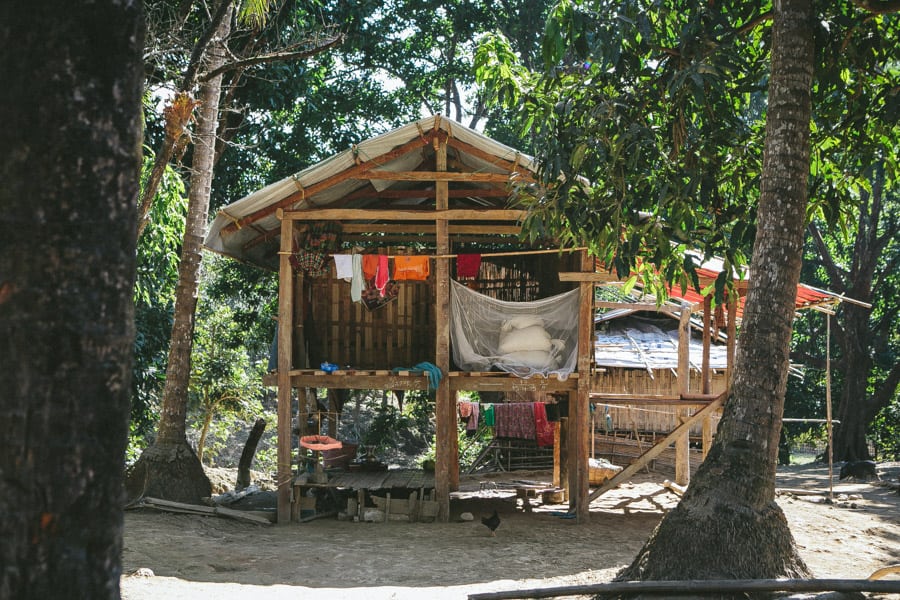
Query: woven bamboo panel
point(640, 416)
point(398, 334)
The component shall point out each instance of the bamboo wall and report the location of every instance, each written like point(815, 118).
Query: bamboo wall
point(641, 416)
point(397, 334)
point(401, 332)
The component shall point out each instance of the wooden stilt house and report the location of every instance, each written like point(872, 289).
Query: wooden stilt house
point(431, 189)
point(417, 199)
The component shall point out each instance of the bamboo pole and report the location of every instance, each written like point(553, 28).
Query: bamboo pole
point(285, 357)
point(682, 444)
point(828, 415)
point(710, 586)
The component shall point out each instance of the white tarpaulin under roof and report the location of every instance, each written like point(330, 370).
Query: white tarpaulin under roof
point(248, 228)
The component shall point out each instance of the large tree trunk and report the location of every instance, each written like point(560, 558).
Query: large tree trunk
point(858, 335)
point(69, 163)
point(170, 468)
point(727, 525)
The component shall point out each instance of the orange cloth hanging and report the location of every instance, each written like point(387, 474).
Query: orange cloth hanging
point(411, 268)
point(370, 266)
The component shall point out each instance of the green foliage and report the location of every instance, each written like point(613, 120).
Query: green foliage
point(886, 431)
point(648, 125)
point(226, 384)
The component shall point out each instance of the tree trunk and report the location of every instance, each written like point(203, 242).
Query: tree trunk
point(170, 469)
point(201, 443)
point(727, 525)
point(859, 335)
point(243, 474)
point(70, 165)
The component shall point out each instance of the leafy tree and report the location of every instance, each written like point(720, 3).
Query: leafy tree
point(154, 299)
point(866, 336)
point(170, 467)
point(69, 162)
point(223, 379)
point(658, 108)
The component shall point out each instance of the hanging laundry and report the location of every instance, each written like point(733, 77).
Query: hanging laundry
point(411, 268)
point(468, 413)
point(489, 415)
point(467, 265)
point(383, 275)
point(343, 266)
point(542, 426)
point(472, 422)
point(357, 281)
point(370, 265)
point(515, 420)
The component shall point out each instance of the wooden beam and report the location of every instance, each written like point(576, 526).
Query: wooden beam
point(425, 228)
point(436, 176)
point(635, 306)
point(705, 382)
point(326, 183)
point(582, 397)
point(682, 444)
point(731, 329)
point(363, 214)
point(490, 158)
point(361, 382)
point(285, 342)
point(446, 451)
point(428, 193)
point(679, 432)
point(513, 384)
point(590, 276)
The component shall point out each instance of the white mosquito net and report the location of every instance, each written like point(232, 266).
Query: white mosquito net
point(523, 338)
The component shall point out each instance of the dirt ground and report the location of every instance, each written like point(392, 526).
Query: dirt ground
point(214, 557)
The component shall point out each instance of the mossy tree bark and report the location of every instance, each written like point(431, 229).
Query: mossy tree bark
point(727, 526)
point(69, 163)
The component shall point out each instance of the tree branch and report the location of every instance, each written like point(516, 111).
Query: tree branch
point(879, 7)
point(887, 389)
point(193, 67)
point(274, 57)
point(837, 274)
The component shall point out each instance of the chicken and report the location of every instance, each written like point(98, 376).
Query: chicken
point(492, 522)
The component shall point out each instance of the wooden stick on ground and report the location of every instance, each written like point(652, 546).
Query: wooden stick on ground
point(713, 586)
point(196, 509)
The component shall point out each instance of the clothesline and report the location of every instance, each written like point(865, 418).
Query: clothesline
point(483, 254)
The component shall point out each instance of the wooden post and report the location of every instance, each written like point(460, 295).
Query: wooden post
point(563, 445)
point(446, 472)
point(285, 357)
point(579, 412)
point(705, 379)
point(707, 341)
point(732, 334)
point(682, 444)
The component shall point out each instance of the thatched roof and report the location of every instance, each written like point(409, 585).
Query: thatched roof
point(393, 171)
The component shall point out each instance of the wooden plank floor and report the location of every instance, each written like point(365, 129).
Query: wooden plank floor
point(377, 480)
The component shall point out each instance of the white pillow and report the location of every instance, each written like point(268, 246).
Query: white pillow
point(534, 359)
point(521, 323)
point(530, 338)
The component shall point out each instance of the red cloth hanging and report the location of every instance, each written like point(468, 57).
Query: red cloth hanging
point(544, 430)
point(384, 273)
point(467, 265)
